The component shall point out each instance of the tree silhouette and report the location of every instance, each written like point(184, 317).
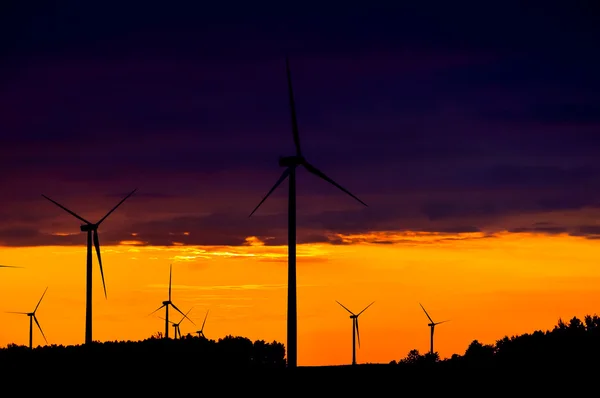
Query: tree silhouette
point(568, 347)
point(413, 357)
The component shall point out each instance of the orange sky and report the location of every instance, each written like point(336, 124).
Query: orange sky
point(488, 288)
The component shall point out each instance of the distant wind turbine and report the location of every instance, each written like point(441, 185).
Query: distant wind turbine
point(201, 331)
point(355, 332)
point(432, 326)
point(291, 163)
point(168, 303)
point(177, 330)
point(32, 318)
point(92, 234)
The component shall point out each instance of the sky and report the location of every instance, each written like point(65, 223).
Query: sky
point(470, 130)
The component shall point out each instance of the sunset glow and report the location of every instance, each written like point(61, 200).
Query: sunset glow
point(487, 286)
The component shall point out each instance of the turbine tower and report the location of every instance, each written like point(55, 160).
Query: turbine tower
point(291, 163)
point(432, 326)
point(32, 318)
point(201, 331)
point(92, 235)
point(168, 303)
point(177, 330)
point(355, 332)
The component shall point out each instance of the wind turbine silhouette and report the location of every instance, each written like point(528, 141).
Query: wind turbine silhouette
point(168, 303)
point(32, 318)
point(177, 331)
point(432, 326)
point(291, 163)
point(92, 234)
point(355, 332)
point(201, 331)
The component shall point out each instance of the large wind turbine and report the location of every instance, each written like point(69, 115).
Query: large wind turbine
point(177, 330)
point(92, 234)
point(355, 332)
point(32, 318)
point(168, 303)
point(201, 331)
point(291, 163)
point(432, 326)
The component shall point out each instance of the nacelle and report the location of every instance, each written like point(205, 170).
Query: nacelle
point(88, 227)
point(288, 161)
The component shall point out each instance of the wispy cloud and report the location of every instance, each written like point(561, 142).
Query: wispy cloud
point(245, 287)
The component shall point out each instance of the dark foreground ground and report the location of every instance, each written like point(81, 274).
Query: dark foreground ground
point(124, 378)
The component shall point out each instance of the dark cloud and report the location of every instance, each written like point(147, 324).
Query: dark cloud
point(590, 229)
point(442, 118)
point(543, 230)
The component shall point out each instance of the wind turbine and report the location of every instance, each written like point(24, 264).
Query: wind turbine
point(201, 331)
point(92, 234)
point(355, 332)
point(32, 318)
point(291, 163)
point(168, 303)
point(432, 326)
point(177, 331)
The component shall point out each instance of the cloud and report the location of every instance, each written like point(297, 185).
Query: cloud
point(434, 133)
point(513, 210)
point(219, 287)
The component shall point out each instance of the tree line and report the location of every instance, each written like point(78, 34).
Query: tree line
point(568, 345)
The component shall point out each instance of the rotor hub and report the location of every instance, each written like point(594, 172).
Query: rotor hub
point(88, 227)
point(289, 161)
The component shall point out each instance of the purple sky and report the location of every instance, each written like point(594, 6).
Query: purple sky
point(441, 118)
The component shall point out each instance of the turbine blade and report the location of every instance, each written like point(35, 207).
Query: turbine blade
point(184, 315)
point(38, 304)
point(284, 175)
point(9, 266)
point(170, 278)
point(67, 210)
point(357, 332)
point(344, 307)
point(156, 309)
point(322, 175)
point(205, 316)
point(97, 246)
point(14, 312)
point(164, 319)
point(437, 323)
point(115, 208)
point(365, 308)
point(426, 313)
point(292, 108)
point(39, 327)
